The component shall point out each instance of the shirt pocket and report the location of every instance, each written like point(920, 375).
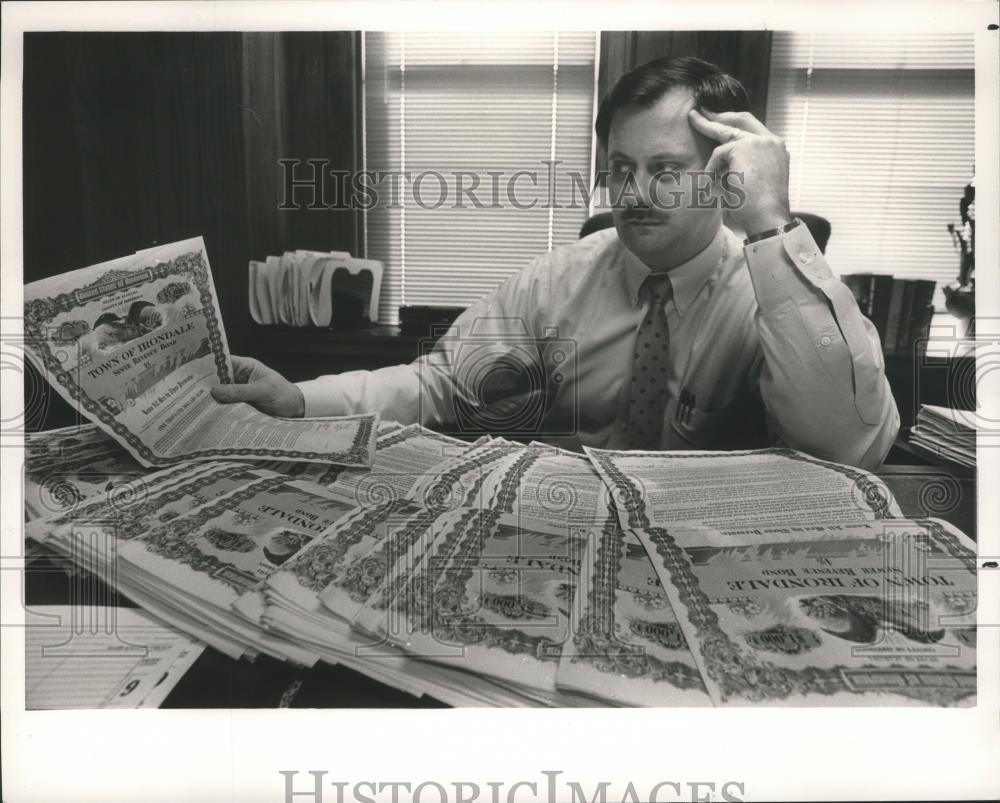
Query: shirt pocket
point(739, 423)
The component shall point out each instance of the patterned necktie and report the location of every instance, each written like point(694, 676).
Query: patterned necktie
point(650, 369)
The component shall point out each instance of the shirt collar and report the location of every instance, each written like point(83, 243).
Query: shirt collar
point(686, 280)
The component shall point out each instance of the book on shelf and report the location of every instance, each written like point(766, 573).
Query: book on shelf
point(900, 309)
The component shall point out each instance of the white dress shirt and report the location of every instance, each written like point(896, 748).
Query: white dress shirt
point(766, 347)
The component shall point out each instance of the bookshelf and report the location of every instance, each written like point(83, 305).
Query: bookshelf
point(900, 309)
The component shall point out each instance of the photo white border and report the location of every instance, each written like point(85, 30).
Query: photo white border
point(780, 754)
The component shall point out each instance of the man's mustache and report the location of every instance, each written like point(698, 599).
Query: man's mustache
point(637, 214)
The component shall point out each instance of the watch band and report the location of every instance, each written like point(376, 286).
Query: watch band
point(763, 235)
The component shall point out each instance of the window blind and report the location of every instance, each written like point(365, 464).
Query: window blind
point(881, 135)
point(483, 106)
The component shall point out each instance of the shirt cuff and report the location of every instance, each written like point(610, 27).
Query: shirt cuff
point(393, 392)
point(786, 266)
point(790, 269)
point(322, 397)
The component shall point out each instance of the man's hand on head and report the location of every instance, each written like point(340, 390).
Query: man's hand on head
point(264, 388)
point(746, 147)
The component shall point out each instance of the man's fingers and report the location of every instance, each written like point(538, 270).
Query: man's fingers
point(719, 160)
point(711, 129)
point(742, 120)
point(243, 368)
point(250, 393)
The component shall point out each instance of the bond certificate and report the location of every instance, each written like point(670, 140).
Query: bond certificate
point(137, 343)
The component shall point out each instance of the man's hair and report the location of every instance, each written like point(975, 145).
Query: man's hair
point(712, 89)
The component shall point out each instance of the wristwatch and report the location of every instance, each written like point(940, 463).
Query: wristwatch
point(763, 235)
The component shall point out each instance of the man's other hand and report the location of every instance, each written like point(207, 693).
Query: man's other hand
point(749, 149)
point(264, 388)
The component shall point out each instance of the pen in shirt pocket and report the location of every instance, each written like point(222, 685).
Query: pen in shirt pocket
point(684, 408)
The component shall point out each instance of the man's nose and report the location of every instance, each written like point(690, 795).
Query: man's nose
point(641, 190)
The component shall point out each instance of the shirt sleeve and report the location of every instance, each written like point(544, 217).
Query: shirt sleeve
point(435, 388)
point(822, 378)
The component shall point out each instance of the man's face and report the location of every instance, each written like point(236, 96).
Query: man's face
point(651, 155)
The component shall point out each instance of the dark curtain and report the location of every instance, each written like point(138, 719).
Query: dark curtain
point(136, 139)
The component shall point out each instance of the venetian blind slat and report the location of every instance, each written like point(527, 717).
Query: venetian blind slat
point(450, 109)
point(880, 129)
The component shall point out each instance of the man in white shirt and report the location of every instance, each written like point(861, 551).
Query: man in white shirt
point(667, 332)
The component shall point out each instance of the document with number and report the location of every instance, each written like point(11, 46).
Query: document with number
point(137, 344)
point(861, 613)
point(130, 661)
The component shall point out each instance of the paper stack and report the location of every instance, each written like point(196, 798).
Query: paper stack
point(65, 466)
point(499, 573)
point(947, 433)
point(315, 288)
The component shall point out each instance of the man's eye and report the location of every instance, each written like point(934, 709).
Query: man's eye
point(621, 169)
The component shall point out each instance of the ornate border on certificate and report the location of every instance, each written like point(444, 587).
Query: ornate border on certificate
point(444, 618)
point(139, 517)
point(172, 540)
point(631, 499)
point(39, 312)
point(320, 565)
point(438, 494)
point(121, 502)
point(356, 455)
point(192, 265)
point(367, 574)
point(595, 640)
point(740, 675)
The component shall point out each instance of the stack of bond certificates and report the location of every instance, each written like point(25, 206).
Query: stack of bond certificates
point(483, 573)
point(498, 573)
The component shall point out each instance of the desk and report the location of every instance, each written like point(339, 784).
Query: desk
point(300, 354)
point(935, 492)
point(216, 681)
